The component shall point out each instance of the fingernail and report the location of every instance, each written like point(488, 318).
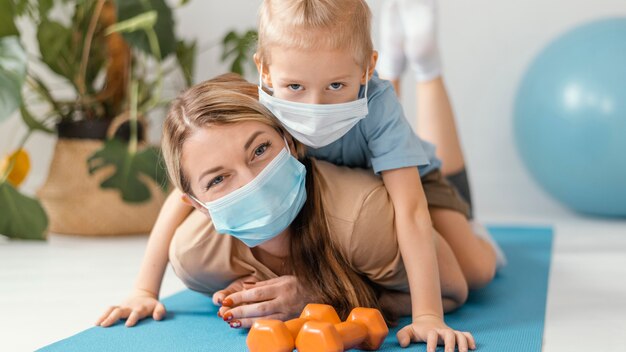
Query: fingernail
point(235, 324)
point(219, 301)
point(228, 316)
point(227, 302)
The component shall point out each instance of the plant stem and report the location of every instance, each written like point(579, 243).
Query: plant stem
point(82, 73)
point(134, 92)
point(39, 87)
point(156, 51)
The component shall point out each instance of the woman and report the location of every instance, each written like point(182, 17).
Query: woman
point(229, 155)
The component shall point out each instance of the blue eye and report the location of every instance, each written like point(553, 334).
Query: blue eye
point(215, 181)
point(295, 87)
point(335, 86)
point(260, 150)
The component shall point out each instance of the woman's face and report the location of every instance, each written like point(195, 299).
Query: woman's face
point(219, 159)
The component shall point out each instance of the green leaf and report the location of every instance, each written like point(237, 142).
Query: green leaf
point(55, 45)
point(22, 6)
point(238, 49)
point(31, 122)
point(128, 167)
point(142, 21)
point(44, 7)
point(12, 75)
point(186, 56)
point(7, 19)
point(21, 216)
point(164, 26)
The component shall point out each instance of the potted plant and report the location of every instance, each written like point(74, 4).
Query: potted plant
point(104, 178)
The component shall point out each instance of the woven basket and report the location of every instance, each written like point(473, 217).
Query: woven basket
point(77, 205)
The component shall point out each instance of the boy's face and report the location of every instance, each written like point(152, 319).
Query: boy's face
point(315, 76)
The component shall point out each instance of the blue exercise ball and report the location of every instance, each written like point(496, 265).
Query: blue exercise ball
point(570, 118)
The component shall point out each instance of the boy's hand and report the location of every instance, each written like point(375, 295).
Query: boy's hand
point(247, 300)
point(139, 305)
point(432, 330)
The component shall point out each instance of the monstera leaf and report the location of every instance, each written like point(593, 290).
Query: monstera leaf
point(12, 75)
point(128, 167)
point(21, 216)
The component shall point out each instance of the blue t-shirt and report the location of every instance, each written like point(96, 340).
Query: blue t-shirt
point(383, 140)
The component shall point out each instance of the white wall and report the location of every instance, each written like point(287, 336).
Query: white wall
point(486, 46)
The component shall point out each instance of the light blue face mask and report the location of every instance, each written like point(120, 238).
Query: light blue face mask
point(264, 207)
point(315, 125)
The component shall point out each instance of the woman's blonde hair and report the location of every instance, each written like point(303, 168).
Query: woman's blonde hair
point(315, 24)
point(319, 265)
point(225, 99)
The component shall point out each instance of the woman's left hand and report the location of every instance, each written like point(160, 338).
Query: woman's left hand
point(246, 300)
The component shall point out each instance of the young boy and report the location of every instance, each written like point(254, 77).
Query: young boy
point(317, 58)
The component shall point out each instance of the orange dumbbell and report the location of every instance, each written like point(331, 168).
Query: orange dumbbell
point(364, 329)
point(270, 335)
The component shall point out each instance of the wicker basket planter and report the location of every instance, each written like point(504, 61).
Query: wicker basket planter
point(75, 202)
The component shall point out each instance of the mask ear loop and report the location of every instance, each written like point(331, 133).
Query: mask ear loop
point(367, 81)
point(286, 144)
point(198, 201)
point(261, 76)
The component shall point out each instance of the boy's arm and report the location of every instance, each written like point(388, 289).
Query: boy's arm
point(415, 239)
point(156, 257)
point(144, 300)
point(417, 246)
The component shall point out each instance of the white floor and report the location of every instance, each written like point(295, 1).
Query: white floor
point(51, 290)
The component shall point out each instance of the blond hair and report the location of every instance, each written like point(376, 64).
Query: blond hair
point(315, 24)
point(319, 265)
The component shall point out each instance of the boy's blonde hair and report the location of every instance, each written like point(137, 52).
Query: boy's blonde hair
point(316, 24)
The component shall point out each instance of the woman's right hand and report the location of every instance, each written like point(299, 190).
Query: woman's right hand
point(141, 304)
point(246, 300)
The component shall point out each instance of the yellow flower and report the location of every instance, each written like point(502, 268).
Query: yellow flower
point(21, 166)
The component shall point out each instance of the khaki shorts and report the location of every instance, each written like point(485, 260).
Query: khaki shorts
point(441, 194)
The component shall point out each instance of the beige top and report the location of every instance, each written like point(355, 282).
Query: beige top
point(361, 221)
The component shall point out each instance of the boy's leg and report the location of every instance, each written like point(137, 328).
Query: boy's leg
point(475, 255)
point(436, 124)
point(391, 61)
point(435, 117)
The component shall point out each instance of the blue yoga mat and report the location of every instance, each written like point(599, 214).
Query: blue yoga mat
point(508, 315)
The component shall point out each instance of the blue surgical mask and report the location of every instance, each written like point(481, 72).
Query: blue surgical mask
point(267, 205)
point(315, 125)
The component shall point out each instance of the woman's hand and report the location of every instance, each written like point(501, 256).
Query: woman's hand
point(247, 300)
point(141, 304)
point(432, 330)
